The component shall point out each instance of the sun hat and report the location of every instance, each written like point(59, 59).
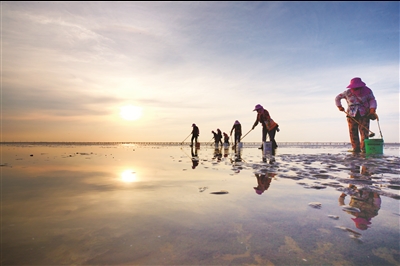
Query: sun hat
point(356, 83)
point(258, 191)
point(361, 223)
point(258, 106)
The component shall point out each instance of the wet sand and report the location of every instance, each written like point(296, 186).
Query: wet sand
point(172, 205)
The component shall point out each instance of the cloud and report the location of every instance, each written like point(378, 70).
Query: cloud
point(202, 62)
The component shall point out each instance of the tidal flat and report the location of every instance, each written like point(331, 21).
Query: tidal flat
point(149, 204)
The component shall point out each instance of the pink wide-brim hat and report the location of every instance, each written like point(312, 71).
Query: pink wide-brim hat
point(361, 223)
point(258, 106)
point(258, 191)
point(356, 83)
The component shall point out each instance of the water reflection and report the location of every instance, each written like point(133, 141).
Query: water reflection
point(128, 176)
point(263, 182)
point(195, 157)
point(360, 172)
point(73, 204)
point(268, 157)
point(226, 150)
point(365, 201)
point(217, 153)
point(237, 154)
point(364, 204)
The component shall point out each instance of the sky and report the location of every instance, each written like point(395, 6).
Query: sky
point(67, 68)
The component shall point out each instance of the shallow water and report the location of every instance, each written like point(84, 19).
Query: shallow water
point(153, 204)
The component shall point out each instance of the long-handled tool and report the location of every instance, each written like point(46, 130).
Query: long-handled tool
point(372, 134)
point(380, 132)
point(186, 138)
point(246, 134)
point(208, 143)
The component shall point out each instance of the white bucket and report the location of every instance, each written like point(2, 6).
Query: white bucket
point(267, 147)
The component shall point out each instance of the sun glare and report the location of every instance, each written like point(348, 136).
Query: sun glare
point(130, 112)
point(128, 176)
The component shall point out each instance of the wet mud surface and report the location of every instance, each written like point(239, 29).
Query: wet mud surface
point(172, 205)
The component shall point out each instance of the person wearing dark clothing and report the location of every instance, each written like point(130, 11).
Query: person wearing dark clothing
point(219, 133)
point(226, 138)
point(237, 127)
point(195, 158)
point(269, 125)
point(218, 153)
point(195, 134)
point(217, 138)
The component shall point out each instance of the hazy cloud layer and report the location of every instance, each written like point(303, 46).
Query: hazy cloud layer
point(202, 62)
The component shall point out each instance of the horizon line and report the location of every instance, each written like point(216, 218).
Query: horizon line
point(326, 143)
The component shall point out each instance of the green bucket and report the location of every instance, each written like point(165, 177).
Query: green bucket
point(373, 146)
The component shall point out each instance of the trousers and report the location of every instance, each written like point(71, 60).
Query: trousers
point(271, 133)
point(356, 131)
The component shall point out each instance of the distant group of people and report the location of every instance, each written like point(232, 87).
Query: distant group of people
point(269, 126)
point(217, 136)
point(361, 108)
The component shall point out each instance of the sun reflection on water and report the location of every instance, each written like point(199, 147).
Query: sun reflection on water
point(128, 176)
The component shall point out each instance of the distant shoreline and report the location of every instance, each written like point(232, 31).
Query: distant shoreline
point(248, 144)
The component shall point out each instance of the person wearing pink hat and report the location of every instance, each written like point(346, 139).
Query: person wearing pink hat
point(361, 107)
point(367, 202)
point(269, 126)
point(263, 182)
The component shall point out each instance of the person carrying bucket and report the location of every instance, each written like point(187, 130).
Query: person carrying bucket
point(269, 126)
point(195, 134)
point(237, 127)
point(361, 107)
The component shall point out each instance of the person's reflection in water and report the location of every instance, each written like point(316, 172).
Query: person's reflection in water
point(195, 158)
point(367, 201)
point(271, 157)
point(263, 182)
point(226, 151)
point(238, 154)
point(217, 153)
point(360, 172)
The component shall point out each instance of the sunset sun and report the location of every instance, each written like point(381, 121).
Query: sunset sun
point(130, 112)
